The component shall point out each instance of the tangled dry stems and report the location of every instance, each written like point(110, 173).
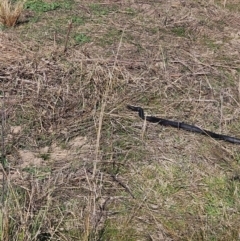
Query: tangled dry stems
point(97, 171)
point(9, 12)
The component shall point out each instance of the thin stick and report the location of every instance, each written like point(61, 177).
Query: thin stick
point(108, 87)
point(123, 185)
point(99, 134)
point(67, 37)
point(3, 163)
point(3, 151)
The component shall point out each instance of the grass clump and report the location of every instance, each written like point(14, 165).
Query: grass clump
point(82, 38)
point(10, 12)
point(101, 10)
point(41, 6)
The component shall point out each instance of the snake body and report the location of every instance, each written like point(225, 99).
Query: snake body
point(183, 126)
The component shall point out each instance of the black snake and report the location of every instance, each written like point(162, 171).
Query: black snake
point(181, 125)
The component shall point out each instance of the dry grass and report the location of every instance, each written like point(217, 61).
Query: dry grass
point(80, 166)
point(9, 12)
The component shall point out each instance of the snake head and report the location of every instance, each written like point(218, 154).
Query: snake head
point(133, 108)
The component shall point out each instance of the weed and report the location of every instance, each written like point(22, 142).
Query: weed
point(230, 5)
point(179, 31)
point(10, 12)
point(45, 156)
point(211, 43)
point(78, 20)
point(130, 11)
point(41, 6)
point(112, 35)
point(82, 38)
point(101, 10)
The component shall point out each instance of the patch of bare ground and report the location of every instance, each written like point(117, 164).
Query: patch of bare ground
point(77, 165)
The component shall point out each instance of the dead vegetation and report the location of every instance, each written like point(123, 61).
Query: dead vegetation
point(77, 165)
point(10, 12)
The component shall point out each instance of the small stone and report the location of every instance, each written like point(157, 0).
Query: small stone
point(15, 129)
